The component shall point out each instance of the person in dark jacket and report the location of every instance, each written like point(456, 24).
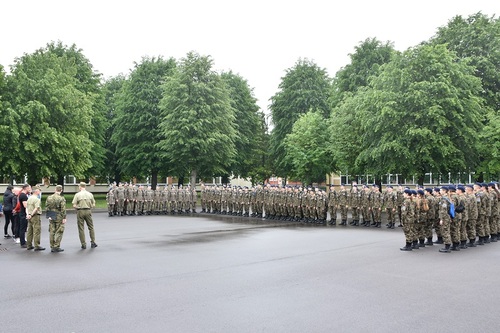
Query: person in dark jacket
point(7, 211)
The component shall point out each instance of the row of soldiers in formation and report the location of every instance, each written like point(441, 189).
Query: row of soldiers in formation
point(128, 199)
point(462, 216)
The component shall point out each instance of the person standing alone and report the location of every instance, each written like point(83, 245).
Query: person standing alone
point(84, 201)
point(56, 212)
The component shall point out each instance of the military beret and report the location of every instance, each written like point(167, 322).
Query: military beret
point(436, 189)
point(428, 189)
point(389, 186)
point(452, 188)
point(470, 186)
point(491, 184)
point(413, 192)
point(461, 188)
point(444, 188)
point(421, 192)
point(59, 188)
point(478, 184)
point(408, 191)
point(374, 185)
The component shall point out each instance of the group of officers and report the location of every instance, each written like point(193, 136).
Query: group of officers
point(419, 211)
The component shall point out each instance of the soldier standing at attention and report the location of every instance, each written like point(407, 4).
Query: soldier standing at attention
point(407, 216)
point(390, 206)
point(84, 201)
point(56, 205)
point(110, 200)
point(343, 202)
point(445, 219)
point(376, 206)
point(332, 205)
point(355, 205)
point(33, 212)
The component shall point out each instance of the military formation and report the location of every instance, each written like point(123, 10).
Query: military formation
point(420, 212)
point(127, 199)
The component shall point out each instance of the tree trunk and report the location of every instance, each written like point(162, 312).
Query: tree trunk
point(154, 179)
point(193, 177)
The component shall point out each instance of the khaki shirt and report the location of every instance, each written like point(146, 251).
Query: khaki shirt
point(83, 200)
point(32, 204)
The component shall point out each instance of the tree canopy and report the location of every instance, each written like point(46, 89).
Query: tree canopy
point(197, 120)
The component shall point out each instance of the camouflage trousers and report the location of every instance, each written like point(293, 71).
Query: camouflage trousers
point(391, 216)
point(463, 229)
point(493, 225)
point(419, 228)
point(377, 214)
point(343, 212)
point(487, 228)
point(408, 230)
point(333, 212)
point(356, 213)
point(471, 228)
point(455, 230)
point(481, 226)
point(428, 224)
point(367, 215)
point(445, 231)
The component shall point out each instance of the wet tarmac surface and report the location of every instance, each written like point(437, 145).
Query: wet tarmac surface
point(228, 274)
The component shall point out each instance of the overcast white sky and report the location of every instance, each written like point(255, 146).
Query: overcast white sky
point(258, 39)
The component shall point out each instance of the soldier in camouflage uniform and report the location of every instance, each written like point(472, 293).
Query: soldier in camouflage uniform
point(399, 203)
point(140, 201)
point(407, 216)
point(110, 200)
point(343, 200)
point(56, 203)
point(421, 210)
point(456, 221)
point(356, 197)
point(436, 225)
point(495, 209)
point(472, 214)
point(332, 205)
point(445, 219)
point(390, 204)
point(366, 205)
point(376, 206)
point(429, 223)
point(463, 216)
point(129, 200)
point(120, 199)
point(490, 190)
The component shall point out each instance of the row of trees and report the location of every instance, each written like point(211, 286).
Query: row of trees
point(432, 108)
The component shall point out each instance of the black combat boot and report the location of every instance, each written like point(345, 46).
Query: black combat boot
point(414, 245)
point(481, 241)
point(455, 247)
point(333, 222)
point(378, 225)
point(389, 225)
point(494, 238)
point(445, 249)
point(356, 223)
point(110, 214)
point(367, 223)
point(486, 239)
point(472, 243)
point(344, 223)
point(407, 247)
point(439, 240)
point(429, 241)
point(393, 225)
point(463, 244)
point(373, 224)
point(422, 242)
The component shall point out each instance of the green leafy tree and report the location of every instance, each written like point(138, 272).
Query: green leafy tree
point(248, 125)
point(197, 120)
point(88, 82)
point(111, 91)
point(307, 148)
point(366, 61)
point(55, 117)
point(477, 38)
point(304, 87)
point(421, 114)
point(136, 126)
point(9, 135)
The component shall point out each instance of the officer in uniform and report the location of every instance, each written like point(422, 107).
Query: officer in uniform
point(56, 211)
point(33, 213)
point(83, 202)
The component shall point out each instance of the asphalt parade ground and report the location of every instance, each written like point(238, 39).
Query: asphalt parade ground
point(209, 273)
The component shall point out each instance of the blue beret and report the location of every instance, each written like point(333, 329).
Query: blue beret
point(408, 191)
point(491, 184)
point(428, 189)
point(436, 189)
point(452, 188)
point(389, 186)
point(444, 188)
point(421, 192)
point(413, 192)
point(469, 185)
point(461, 188)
